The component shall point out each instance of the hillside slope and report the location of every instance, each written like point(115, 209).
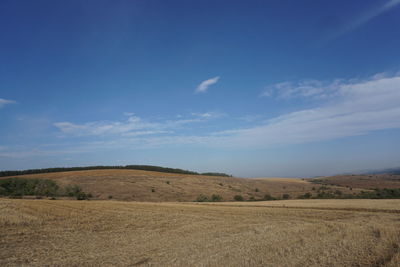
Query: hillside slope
point(138, 185)
point(370, 181)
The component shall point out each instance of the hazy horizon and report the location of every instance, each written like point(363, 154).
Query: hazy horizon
point(253, 89)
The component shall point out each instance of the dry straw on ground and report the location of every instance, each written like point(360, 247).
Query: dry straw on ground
point(112, 233)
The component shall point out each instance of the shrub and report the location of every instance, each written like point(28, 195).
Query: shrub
point(285, 196)
point(202, 198)
point(110, 197)
point(216, 198)
point(81, 196)
point(72, 190)
point(153, 190)
point(30, 187)
point(238, 198)
point(167, 182)
point(256, 190)
point(338, 192)
point(306, 196)
point(269, 197)
point(76, 192)
point(325, 195)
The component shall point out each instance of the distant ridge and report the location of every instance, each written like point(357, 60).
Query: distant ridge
point(384, 171)
point(128, 167)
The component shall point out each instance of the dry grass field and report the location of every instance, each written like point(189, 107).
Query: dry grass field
point(137, 185)
point(363, 181)
point(277, 233)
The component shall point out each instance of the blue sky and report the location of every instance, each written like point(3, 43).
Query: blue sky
point(251, 88)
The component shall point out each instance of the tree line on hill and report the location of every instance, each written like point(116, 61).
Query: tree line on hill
point(128, 167)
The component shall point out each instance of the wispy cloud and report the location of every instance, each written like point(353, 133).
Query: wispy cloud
point(358, 108)
point(4, 102)
point(208, 115)
point(302, 89)
point(203, 86)
point(365, 18)
point(132, 126)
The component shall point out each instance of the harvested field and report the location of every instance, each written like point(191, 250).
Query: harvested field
point(114, 233)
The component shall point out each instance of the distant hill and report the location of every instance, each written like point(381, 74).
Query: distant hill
point(139, 185)
point(128, 167)
point(384, 171)
point(363, 181)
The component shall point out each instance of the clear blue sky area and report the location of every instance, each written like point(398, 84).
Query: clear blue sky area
point(251, 88)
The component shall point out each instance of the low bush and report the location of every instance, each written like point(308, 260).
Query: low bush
point(20, 187)
point(28, 187)
point(216, 198)
point(202, 198)
point(305, 196)
point(76, 192)
point(238, 198)
point(269, 197)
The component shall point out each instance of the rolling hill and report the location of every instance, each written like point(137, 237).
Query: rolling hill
point(140, 185)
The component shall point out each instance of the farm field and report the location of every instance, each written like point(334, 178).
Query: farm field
point(274, 233)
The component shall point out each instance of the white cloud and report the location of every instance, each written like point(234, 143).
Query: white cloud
point(141, 133)
point(203, 86)
point(4, 102)
point(132, 126)
point(302, 89)
point(358, 108)
point(365, 18)
point(208, 115)
point(103, 128)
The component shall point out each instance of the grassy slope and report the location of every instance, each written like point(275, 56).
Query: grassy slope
point(114, 233)
point(363, 181)
point(138, 185)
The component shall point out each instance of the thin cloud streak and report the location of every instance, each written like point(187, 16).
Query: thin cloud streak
point(133, 126)
point(4, 102)
point(364, 18)
point(204, 85)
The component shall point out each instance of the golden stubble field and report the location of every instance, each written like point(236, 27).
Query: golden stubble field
point(277, 233)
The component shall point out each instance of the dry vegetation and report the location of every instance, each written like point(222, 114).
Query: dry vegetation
point(136, 185)
point(362, 181)
point(110, 233)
